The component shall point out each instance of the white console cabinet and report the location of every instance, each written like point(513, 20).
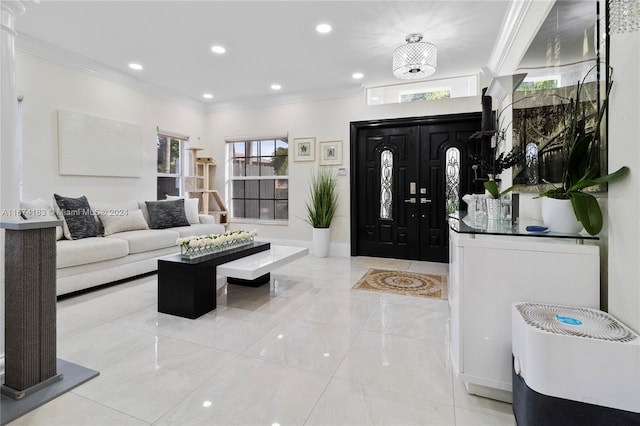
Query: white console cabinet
point(489, 272)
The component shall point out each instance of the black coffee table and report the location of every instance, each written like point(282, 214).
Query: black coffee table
point(187, 287)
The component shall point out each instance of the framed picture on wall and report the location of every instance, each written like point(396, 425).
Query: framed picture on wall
point(304, 149)
point(330, 153)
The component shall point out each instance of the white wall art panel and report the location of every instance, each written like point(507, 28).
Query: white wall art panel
point(94, 146)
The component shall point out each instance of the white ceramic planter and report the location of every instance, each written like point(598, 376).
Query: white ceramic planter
point(321, 240)
point(558, 216)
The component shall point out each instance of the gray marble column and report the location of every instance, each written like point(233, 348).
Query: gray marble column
point(9, 179)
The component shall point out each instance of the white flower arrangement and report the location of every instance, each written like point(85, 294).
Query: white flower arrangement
point(205, 244)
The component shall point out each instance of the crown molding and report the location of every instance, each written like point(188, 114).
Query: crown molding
point(341, 92)
point(522, 20)
point(56, 54)
point(501, 86)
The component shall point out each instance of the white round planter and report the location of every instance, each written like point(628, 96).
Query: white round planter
point(321, 240)
point(558, 216)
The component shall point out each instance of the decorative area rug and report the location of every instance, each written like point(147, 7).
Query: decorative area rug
point(402, 282)
point(377, 262)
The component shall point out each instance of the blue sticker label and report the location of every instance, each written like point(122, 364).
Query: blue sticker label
point(568, 320)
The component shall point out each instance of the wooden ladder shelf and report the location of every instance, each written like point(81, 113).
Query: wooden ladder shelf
point(200, 186)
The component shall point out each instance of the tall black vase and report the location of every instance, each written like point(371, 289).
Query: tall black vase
point(486, 125)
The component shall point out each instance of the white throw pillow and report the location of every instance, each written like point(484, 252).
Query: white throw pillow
point(119, 220)
point(39, 209)
point(190, 208)
point(145, 212)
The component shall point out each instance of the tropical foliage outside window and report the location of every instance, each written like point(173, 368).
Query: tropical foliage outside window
point(537, 85)
point(169, 165)
point(426, 96)
point(259, 183)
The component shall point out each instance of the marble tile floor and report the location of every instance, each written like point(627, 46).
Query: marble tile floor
point(309, 350)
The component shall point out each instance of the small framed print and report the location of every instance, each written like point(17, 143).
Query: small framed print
point(304, 149)
point(330, 153)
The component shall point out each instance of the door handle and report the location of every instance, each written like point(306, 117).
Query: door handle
point(424, 200)
point(411, 200)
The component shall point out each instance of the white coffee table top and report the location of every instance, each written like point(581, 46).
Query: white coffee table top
point(256, 265)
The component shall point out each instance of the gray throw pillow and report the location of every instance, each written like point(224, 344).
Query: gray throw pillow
point(190, 208)
point(166, 214)
point(78, 217)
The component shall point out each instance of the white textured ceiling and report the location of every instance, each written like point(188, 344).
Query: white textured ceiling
point(266, 41)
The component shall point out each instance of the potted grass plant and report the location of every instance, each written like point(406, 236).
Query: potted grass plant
point(581, 171)
point(321, 208)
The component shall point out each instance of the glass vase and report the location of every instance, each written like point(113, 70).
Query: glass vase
point(189, 252)
point(493, 208)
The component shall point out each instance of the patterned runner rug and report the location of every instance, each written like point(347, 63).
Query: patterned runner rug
point(402, 282)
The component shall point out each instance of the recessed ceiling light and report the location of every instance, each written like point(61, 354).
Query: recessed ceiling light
point(357, 75)
point(218, 49)
point(135, 66)
point(207, 95)
point(276, 87)
point(323, 28)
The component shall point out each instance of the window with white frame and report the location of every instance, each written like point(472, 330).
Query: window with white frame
point(428, 90)
point(258, 178)
point(170, 168)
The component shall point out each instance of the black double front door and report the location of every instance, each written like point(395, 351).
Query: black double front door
point(398, 184)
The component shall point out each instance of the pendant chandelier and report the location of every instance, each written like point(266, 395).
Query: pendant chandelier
point(414, 60)
point(624, 15)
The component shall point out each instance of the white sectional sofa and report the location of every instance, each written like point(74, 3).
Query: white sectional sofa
point(89, 262)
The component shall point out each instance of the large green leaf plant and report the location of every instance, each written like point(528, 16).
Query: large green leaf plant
point(581, 163)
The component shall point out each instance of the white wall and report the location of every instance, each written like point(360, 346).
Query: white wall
point(324, 120)
point(624, 195)
point(48, 86)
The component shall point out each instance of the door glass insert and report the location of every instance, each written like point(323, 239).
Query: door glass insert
point(386, 180)
point(452, 180)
